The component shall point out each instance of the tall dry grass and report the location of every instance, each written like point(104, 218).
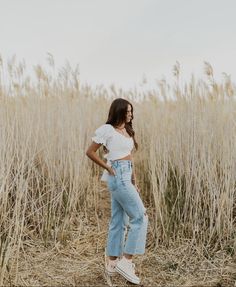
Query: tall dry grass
point(186, 163)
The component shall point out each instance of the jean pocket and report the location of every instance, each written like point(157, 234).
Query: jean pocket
point(111, 182)
point(125, 173)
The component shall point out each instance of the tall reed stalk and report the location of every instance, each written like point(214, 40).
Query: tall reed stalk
point(186, 164)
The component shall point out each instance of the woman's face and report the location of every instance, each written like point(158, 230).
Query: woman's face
point(128, 114)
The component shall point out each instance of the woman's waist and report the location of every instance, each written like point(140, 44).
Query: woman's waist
point(126, 157)
point(115, 154)
point(122, 158)
point(119, 163)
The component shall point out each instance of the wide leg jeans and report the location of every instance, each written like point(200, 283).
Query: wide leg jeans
point(127, 211)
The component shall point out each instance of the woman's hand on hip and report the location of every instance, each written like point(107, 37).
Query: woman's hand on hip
point(111, 171)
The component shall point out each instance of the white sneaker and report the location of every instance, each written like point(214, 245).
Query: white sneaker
point(125, 268)
point(110, 266)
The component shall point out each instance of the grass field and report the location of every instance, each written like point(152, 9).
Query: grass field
point(54, 211)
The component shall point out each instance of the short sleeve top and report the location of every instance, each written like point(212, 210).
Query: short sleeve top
point(117, 144)
point(102, 134)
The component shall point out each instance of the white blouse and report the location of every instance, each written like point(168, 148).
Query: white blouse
point(117, 144)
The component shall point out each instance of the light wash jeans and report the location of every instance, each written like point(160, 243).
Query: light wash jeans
point(126, 209)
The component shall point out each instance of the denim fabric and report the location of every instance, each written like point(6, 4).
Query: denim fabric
point(127, 211)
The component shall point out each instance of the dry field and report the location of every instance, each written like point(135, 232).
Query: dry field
point(54, 211)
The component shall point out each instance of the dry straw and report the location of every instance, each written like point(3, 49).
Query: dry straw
point(53, 217)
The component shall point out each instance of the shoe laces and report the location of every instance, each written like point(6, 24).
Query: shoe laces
point(132, 266)
point(111, 263)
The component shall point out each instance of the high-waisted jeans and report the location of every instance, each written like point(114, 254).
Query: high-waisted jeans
point(126, 209)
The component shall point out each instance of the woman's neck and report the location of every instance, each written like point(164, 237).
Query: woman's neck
point(120, 127)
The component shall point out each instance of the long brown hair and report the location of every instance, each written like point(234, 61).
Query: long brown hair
point(117, 116)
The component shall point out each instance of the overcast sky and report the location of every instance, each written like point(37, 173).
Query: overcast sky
point(120, 41)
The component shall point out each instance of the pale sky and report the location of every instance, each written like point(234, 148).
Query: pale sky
point(120, 41)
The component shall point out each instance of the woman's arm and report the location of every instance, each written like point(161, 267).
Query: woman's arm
point(91, 153)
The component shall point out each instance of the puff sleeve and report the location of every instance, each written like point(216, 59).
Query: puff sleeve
point(102, 134)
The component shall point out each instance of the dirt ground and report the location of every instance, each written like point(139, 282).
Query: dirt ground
point(80, 261)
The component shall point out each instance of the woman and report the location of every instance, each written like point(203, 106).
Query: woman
point(117, 137)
